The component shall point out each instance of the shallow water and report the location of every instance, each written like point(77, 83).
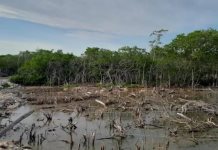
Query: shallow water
point(148, 138)
point(56, 138)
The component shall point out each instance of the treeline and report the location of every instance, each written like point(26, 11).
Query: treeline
point(9, 64)
point(189, 60)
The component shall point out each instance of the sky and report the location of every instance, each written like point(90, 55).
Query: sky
point(74, 25)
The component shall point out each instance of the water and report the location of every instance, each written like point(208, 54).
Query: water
point(148, 138)
point(56, 138)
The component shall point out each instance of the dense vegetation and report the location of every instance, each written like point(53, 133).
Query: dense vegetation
point(9, 64)
point(189, 60)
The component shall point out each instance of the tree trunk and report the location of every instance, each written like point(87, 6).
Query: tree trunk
point(156, 79)
point(192, 79)
point(143, 75)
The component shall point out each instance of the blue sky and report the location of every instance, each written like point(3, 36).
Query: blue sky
point(74, 25)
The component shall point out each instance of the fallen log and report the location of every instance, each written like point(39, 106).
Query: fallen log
point(100, 102)
point(106, 138)
point(183, 116)
point(198, 104)
point(6, 129)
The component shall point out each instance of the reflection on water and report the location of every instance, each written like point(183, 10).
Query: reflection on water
point(54, 137)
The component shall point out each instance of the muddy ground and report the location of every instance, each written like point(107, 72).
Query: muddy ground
point(91, 117)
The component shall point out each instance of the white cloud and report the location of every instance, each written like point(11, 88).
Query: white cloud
point(7, 12)
point(103, 23)
point(124, 17)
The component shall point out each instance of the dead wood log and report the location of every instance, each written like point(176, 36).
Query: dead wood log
point(201, 105)
point(6, 129)
point(106, 138)
point(207, 89)
point(185, 117)
point(100, 102)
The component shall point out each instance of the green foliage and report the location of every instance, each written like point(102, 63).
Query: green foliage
point(9, 64)
point(39, 69)
point(198, 52)
point(187, 60)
